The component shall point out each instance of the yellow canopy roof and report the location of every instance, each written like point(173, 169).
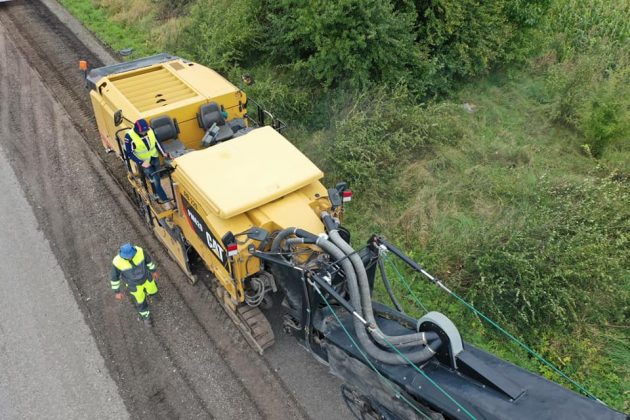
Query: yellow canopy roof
point(246, 172)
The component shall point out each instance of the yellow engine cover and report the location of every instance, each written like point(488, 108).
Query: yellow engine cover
point(244, 173)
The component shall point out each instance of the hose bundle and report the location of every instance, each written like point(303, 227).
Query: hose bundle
point(360, 297)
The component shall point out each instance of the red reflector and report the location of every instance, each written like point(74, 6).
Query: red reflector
point(346, 195)
point(232, 250)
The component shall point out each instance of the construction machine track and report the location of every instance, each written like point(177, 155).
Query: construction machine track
point(251, 321)
point(258, 326)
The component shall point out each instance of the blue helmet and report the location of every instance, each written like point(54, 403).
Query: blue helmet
point(141, 126)
point(127, 251)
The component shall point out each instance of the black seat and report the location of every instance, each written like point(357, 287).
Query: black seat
point(210, 114)
point(166, 131)
point(164, 128)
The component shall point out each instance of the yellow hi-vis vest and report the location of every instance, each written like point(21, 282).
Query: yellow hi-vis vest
point(135, 273)
point(140, 149)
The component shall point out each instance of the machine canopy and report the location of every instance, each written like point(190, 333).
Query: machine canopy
point(246, 172)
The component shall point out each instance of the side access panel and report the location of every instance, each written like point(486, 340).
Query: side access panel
point(175, 248)
point(105, 122)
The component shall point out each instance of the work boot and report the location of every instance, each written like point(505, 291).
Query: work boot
point(148, 322)
point(158, 200)
point(156, 297)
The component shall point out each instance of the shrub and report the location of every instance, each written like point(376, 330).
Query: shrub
point(383, 132)
point(465, 38)
point(589, 94)
point(588, 91)
point(604, 120)
point(426, 45)
point(358, 41)
point(286, 99)
point(222, 33)
point(565, 265)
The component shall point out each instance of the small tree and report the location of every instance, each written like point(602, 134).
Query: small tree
point(465, 38)
point(223, 33)
point(359, 41)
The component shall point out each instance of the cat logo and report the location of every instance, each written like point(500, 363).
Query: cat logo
point(215, 247)
point(198, 225)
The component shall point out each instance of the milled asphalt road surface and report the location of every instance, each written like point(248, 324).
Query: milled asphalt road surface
point(193, 363)
point(50, 366)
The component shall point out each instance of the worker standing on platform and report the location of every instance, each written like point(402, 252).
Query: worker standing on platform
point(134, 266)
point(143, 148)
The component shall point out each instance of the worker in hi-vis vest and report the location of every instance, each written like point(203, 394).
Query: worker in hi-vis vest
point(143, 148)
point(134, 267)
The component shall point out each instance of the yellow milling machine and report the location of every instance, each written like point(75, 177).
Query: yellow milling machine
point(218, 193)
point(247, 205)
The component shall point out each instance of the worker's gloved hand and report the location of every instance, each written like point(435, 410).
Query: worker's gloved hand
point(146, 164)
point(155, 275)
point(119, 296)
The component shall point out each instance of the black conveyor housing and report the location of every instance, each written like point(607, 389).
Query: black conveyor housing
point(536, 397)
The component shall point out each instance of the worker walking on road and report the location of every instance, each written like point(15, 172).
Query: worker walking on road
point(134, 266)
point(143, 148)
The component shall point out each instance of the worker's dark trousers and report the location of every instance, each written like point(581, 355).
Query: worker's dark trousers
point(150, 173)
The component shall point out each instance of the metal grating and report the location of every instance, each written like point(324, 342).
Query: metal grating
point(153, 88)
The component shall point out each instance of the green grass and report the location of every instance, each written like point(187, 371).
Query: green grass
point(114, 34)
point(469, 198)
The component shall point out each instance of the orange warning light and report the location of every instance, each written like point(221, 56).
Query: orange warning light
point(83, 65)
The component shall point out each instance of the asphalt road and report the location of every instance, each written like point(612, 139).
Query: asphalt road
point(193, 363)
point(50, 366)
